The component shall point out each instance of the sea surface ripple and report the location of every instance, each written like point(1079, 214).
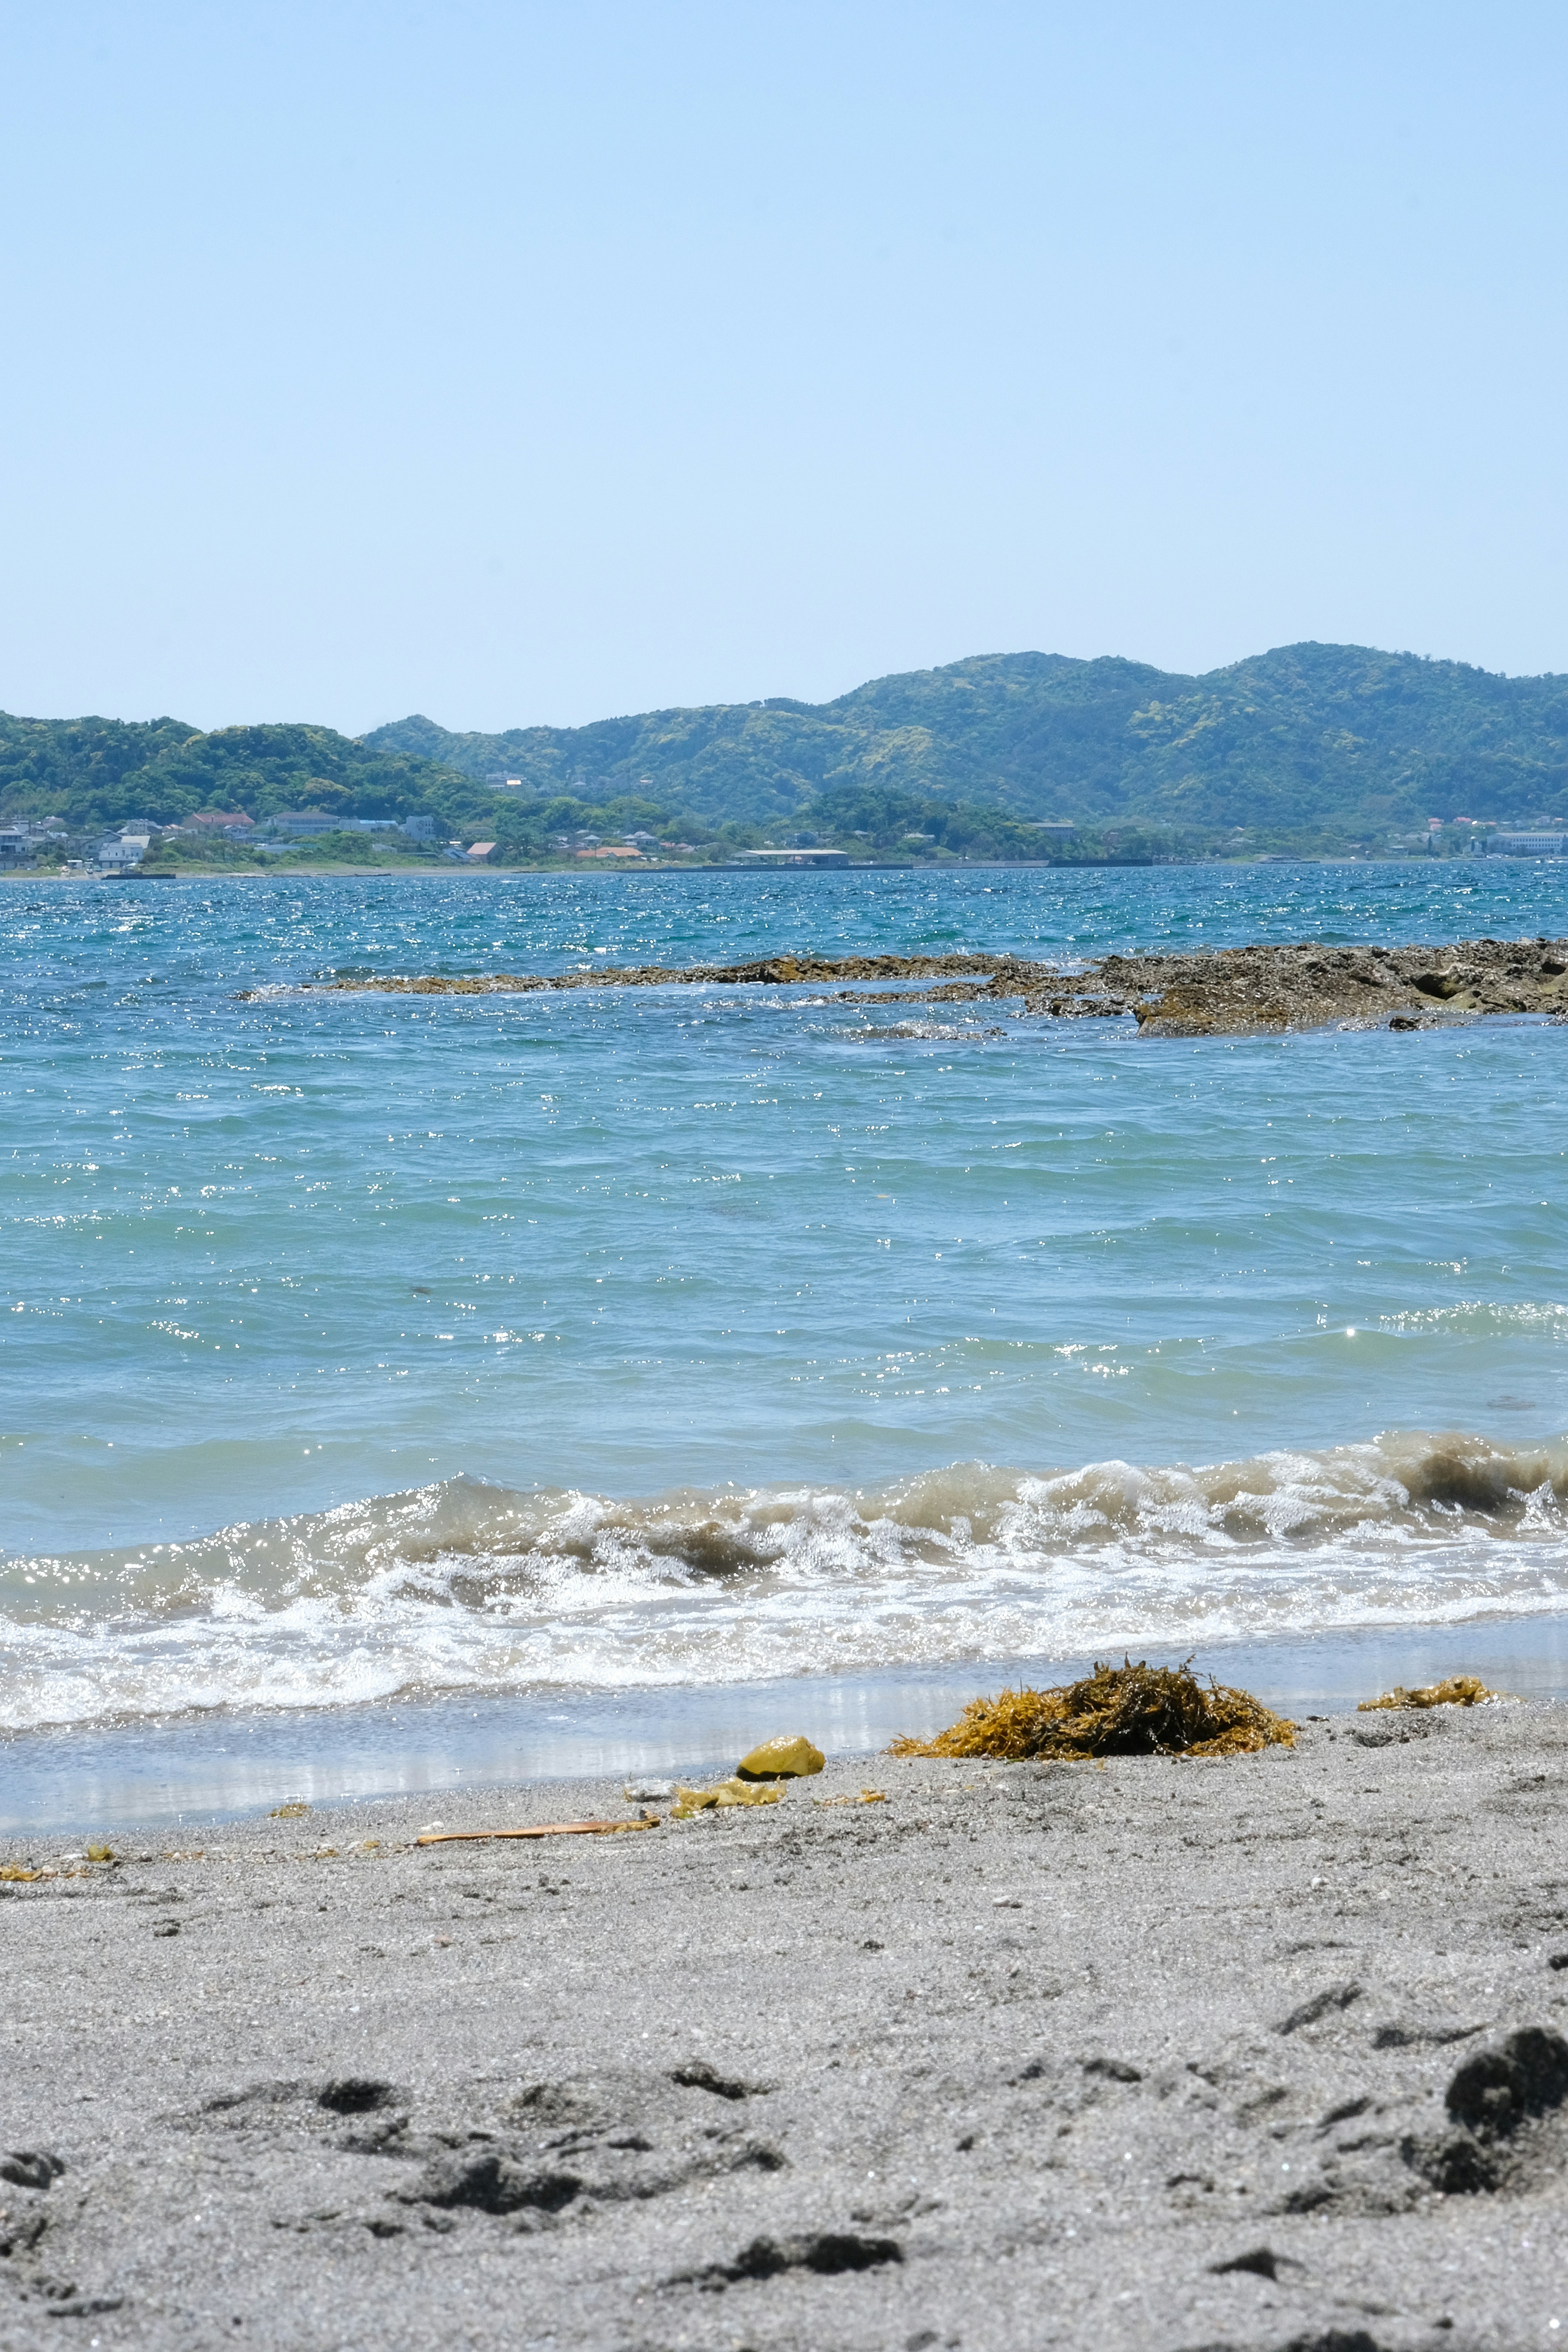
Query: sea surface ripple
point(684, 1336)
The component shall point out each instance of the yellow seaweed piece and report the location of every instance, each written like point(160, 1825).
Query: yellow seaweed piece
point(689, 1802)
point(1456, 1690)
point(1125, 1710)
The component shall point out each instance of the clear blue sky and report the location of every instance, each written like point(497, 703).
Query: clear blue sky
point(516, 363)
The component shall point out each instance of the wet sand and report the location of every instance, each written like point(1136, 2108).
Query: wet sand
point(217, 1764)
point(1022, 2056)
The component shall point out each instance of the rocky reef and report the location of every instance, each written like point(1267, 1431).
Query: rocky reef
point(1223, 992)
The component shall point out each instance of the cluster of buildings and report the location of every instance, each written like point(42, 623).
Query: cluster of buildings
point(1493, 840)
point(1526, 844)
point(274, 834)
point(630, 845)
point(26, 838)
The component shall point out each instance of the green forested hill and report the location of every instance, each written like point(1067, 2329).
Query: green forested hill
point(1308, 741)
point(100, 771)
point(49, 765)
point(265, 769)
point(1308, 736)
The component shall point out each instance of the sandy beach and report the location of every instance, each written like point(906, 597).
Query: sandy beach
point(1147, 2054)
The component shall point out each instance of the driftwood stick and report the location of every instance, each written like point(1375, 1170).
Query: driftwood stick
point(544, 1829)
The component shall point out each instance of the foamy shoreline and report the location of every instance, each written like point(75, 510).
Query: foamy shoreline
point(1019, 2055)
point(210, 1766)
point(465, 1586)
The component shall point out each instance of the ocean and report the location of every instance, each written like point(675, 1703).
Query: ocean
point(376, 1359)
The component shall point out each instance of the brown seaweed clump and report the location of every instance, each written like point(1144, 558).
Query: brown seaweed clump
point(1458, 1690)
point(1125, 1710)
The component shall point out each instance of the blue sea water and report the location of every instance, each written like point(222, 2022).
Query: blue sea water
point(357, 1344)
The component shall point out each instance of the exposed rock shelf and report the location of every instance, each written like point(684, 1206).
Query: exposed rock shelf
point(1225, 991)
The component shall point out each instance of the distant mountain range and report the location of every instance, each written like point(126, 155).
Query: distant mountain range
point(1307, 735)
point(1308, 740)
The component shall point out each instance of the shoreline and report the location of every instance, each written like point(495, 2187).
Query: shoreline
point(1132, 2058)
point(232, 1764)
point(959, 865)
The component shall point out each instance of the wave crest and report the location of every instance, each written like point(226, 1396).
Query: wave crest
point(464, 1583)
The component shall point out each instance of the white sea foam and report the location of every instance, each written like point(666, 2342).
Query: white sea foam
point(464, 1584)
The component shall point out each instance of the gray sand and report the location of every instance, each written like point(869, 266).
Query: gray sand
point(1023, 2057)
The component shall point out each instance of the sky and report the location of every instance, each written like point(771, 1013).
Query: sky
point(523, 363)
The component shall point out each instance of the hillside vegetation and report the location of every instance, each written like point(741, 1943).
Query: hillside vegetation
point(1310, 735)
point(1309, 743)
point(100, 772)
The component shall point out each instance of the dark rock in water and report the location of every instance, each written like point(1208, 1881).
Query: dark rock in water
point(1234, 992)
point(1495, 2091)
point(31, 2167)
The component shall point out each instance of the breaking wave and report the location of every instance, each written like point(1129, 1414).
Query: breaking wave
point(465, 1584)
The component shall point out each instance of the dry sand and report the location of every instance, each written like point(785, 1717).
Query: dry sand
point(1023, 2057)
